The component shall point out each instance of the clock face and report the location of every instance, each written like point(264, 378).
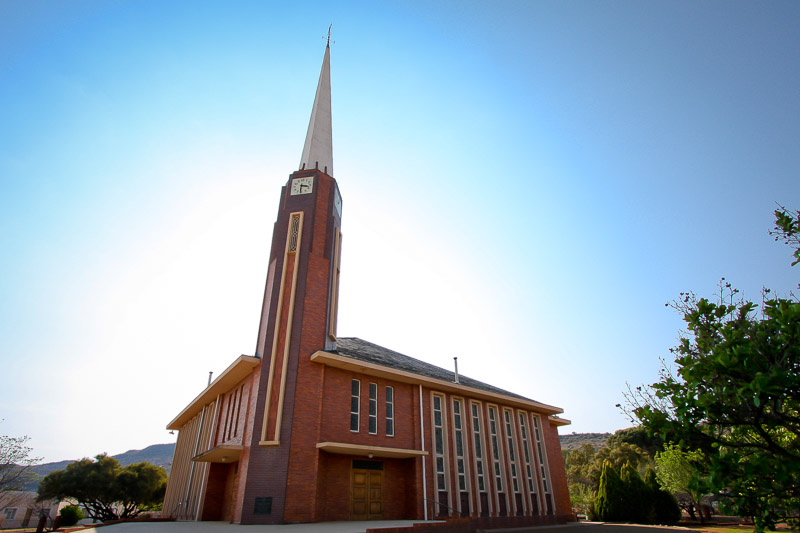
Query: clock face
point(302, 185)
point(337, 201)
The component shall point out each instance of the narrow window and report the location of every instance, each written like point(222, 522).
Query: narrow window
point(495, 449)
point(526, 452)
point(480, 475)
point(459, 434)
point(512, 456)
point(333, 311)
point(238, 409)
point(476, 432)
point(497, 457)
point(373, 408)
point(355, 402)
point(389, 411)
point(228, 398)
point(439, 453)
point(294, 232)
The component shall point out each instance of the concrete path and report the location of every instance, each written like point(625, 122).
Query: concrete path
point(596, 527)
point(359, 527)
point(226, 527)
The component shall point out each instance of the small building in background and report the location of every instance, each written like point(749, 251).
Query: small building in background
point(21, 510)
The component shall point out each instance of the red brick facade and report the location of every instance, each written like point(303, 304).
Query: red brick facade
point(283, 475)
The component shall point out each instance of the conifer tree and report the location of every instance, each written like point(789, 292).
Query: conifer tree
point(609, 504)
point(638, 504)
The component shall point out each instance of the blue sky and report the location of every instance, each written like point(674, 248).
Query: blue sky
point(525, 184)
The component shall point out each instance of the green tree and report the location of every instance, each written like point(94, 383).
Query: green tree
point(665, 507)
point(637, 436)
point(105, 489)
point(618, 453)
point(677, 471)
point(582, 498)
point(735, 394)
point(787, 229)
point(584, 464)
point(578, 463)
point(609, 505)
point(141, 486)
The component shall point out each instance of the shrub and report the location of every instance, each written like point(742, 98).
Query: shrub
point(665, 507)
point(70, 515)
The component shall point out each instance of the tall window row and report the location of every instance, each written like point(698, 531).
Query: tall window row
point(548, 497)
point(529, 467)
point(233, 408)
point(496, 453)
point(372, 408)
point(512, 459)
point(497, 461)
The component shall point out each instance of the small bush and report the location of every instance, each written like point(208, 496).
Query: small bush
point(667, 510)
point(665, 506)
point(70, 515)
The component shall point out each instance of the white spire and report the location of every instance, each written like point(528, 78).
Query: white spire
point(318, 149)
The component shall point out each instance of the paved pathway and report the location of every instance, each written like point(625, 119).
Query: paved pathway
point(358, 527)
point(226, 527)
point(597, 527)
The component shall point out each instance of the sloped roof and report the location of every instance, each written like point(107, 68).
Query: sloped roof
point(368, 352)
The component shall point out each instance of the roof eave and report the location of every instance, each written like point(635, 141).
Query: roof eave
point(236, 372)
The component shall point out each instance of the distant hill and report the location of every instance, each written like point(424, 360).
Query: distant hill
point(161, 454)
point(157, 454)
point(576, 440)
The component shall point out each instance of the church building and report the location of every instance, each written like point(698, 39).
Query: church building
point(317, 427)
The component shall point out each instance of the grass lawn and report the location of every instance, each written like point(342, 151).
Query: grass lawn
point(728, 528)
point(734, 528)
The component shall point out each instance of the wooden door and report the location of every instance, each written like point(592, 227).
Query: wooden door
point(366, 495)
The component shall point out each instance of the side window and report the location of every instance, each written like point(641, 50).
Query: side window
point(355, 402)
point(389, 411)
point(373, 408)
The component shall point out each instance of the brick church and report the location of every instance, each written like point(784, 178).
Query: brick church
point(316, 427)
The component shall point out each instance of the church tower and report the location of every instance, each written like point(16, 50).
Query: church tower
point(298, 318)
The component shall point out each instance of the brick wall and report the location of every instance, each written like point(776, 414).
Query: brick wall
point(558, 474)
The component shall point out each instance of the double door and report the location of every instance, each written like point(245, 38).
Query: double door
point(366, 494)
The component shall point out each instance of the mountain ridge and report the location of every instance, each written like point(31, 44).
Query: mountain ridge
point(157, 454)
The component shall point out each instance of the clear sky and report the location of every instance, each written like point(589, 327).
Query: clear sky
point(525, 184)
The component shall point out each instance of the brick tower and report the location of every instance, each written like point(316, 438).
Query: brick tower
point(298, 317)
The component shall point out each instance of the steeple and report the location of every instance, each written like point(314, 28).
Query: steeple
point(318, 149)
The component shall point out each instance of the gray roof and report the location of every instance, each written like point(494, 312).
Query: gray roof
point(362, 350)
